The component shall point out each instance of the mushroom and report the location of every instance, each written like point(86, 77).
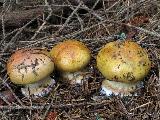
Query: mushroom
point(71, 58)
point(110, 87)
point(31, 67)
point(124, 64)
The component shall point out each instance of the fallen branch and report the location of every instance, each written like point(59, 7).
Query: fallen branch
point(140, 106)
point(17, 19)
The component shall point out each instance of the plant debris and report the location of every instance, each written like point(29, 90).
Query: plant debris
point(95, 23)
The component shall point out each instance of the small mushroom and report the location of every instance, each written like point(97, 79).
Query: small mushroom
point(31, 67)
point(71, 58)
point(125, 63)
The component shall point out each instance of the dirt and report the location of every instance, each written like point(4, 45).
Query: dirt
point(28, 24)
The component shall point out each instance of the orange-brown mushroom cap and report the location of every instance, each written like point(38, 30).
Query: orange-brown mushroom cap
point(70, 56)
point(123, 61)
point(27, 66)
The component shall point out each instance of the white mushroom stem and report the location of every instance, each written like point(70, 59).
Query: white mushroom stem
point(119, 88)
point(38, 89)
point(74, 77)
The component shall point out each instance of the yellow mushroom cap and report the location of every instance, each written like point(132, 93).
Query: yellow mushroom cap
point(70, 55)
point(27, 66)
point(123, 61)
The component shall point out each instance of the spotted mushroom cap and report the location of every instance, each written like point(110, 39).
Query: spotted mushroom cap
point(70, 55)
point(28, 65)
point(123, 61)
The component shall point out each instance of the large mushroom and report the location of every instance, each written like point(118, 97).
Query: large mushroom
point(124, 64)
point(70, 58)
point(31, 67)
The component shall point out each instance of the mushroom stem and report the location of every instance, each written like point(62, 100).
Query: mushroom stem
point(119, 88)
point(38, 89)
point(77, 77)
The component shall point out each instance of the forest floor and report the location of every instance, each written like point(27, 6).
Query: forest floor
point(44, 23)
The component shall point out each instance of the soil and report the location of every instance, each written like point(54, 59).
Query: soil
point(44, 23)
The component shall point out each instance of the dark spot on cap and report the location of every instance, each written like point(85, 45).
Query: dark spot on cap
point(142, 63)
point(129, 76)
point(140, 53)
point(115, 78)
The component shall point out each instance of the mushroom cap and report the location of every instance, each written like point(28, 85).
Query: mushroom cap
point(113, 87)
point(70, 56)
point(123, 61)
point(29, 65)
